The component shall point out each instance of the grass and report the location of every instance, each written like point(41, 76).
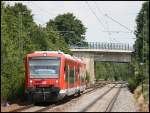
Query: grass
point(142, 98)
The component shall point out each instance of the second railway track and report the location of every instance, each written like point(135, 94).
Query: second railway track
point(101, 98)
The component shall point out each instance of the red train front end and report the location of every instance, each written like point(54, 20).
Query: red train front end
point(43, 76)
point(52, 75)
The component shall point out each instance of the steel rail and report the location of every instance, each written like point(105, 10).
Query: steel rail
point(96, 86)
point(111, 104)
point(95, 100)
point(69, 98)
point(22, 108)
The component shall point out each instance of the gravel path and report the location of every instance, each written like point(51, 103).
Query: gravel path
point(125, 102)
point(15, 105)
point(33, 109)
point(78, 104)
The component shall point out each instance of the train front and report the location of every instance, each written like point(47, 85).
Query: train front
point(43, 76)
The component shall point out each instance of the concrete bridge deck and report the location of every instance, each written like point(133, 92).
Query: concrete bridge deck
point(106, 52)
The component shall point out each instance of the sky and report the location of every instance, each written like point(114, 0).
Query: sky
point(99, 17)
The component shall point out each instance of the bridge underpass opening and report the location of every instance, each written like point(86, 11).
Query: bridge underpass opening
point(115, 71)
point(99, 56)
point(104, 52)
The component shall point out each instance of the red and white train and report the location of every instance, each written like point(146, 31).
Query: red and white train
point(52, 75)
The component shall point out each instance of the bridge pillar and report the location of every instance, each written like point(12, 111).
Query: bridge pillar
point(89, 60)
point(90, 67)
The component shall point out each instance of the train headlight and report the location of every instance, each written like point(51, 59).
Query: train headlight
point(31, 81)
point(44, 82)
point(45, 54)
point(56, 81)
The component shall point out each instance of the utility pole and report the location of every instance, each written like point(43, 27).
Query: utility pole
point(20, 40)
point(20, 32)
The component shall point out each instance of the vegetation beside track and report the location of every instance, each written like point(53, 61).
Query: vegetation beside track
point(140, 59)
point(112, 71)
point(136, 72)
point(21, 35)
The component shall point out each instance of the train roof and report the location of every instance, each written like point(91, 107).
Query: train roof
point(49, 52)
point(60, 52)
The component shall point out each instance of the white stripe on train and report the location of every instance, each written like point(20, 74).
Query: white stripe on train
point(72, 91)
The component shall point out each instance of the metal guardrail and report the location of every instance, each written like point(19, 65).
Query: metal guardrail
point(101, 45)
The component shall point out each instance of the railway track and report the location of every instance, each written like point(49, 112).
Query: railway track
point(111, 103)
point(35, 108)
point(23, 108)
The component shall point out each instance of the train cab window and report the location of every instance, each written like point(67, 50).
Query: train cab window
point(44, 67)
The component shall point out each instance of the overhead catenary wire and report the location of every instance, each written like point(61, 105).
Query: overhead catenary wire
point(119, 23)
point(99, 10)
point(99, 19)
point(41, 10)
point(95, 14)
point(48, 15)
point(35, 6)
point(131, 31)
point(109, 33)
point(117, 31)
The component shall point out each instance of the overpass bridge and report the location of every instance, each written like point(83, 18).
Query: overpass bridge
point(105, 52)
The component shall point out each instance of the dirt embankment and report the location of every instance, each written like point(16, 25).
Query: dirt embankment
point(141, 101)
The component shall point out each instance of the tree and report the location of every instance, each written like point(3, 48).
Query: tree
point(140, 63)
point(70, 28)
point(20, 35)
point(142, 33)
point(57, 40)
point(142, 38)
point(111, 71)
point(14, 34)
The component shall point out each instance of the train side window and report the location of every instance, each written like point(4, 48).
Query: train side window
point(78, 70)
point(72, 75)
point(66, 72)
point(65, 68)
point(82, 76)
point(76, 74)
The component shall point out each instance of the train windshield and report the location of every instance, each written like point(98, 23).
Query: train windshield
point(44, 67)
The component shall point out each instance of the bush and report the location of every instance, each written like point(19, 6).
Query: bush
point(32, 38)
point(132, 84)
point(87, 78)
point(4, 89)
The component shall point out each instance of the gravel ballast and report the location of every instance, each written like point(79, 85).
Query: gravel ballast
point(125, 102)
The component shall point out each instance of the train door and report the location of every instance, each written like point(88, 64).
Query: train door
point(80, 81)
point(72, 76)
point(82, 78)
point(67, 71)
point(74, 82)
point(78, 76)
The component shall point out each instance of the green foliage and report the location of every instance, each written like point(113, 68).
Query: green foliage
point(140, 59)
point(132, 84)
point(142, 33)
point(112, 71)
point(87, 78)
point(19, 36)
point(70, 28)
